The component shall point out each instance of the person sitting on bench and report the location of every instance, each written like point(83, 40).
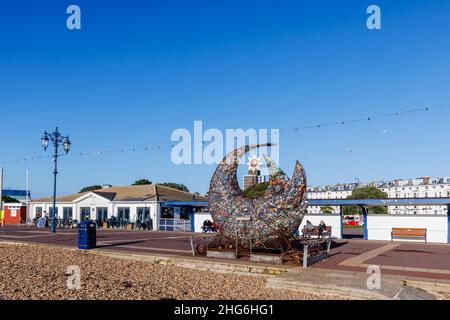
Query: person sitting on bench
point(322, 228)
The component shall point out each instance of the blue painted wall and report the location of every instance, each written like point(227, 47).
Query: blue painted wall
point(366, 235)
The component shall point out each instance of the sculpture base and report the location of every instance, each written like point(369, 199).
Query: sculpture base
point(228, 255)
point(297, 251)
point(266, 258)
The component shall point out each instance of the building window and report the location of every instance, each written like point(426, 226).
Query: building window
point(67, 213)
point(56, 212)
point(38, 212)
point(143, 214)
point(167, 213)
point(123, 214)
point(85, 213)
point(102, 215)
point(184, 213)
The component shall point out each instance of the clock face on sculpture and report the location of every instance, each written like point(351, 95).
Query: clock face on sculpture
point(266, 220)
point(253, 164)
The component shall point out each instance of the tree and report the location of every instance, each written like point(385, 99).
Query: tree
point(8, 199)
point(173, 185)
point(256, 190)
point(370, 192)
point(141, 182)
point(327, 209)
point(90, 188)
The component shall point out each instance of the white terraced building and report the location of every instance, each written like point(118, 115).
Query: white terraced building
point(425, 187)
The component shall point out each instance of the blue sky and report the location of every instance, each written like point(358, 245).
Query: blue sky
point(140, 69)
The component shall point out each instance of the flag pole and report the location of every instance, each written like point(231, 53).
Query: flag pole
point(28, 215)
point(1, 196)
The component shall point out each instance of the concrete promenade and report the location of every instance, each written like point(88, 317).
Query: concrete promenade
point(406, 259)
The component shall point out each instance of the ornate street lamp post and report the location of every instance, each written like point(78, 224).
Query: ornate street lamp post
point(57, 140)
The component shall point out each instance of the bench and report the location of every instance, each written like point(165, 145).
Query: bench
point(315, 232)
point(409, 233)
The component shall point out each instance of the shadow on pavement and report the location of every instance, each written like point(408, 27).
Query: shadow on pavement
point(118, 244)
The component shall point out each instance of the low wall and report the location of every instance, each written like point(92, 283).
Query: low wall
point(331, 220)
point(379, 226)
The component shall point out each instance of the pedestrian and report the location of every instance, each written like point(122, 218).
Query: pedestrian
point(322, 228)
point(209, 226)
point(205, 226)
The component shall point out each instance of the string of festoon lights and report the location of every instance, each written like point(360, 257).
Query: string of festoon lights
point(156, 148)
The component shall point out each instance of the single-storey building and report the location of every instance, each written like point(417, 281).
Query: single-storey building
point(166, 208)
point(14, 213)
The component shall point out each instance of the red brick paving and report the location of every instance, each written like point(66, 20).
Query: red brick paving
point(416, 255)
point(106, 239)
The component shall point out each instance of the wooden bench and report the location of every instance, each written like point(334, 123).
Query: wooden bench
point(315, 232)
point(409, 233)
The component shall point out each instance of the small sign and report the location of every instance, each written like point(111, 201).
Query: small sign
point(248, 218)
point(42, 222)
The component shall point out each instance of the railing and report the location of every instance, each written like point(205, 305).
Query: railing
point(175, 225)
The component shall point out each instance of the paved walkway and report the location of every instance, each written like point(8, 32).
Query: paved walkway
point(352, 285)
point(400, 258)
point(430, 261)
point(154, 242)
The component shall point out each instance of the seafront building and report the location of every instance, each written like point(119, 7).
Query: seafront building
point(424, 187)
point(164, 205)
point(166, 208)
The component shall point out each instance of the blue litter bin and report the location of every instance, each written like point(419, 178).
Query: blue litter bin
point(87, 235)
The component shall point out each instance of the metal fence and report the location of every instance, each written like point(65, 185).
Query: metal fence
point(175, 225)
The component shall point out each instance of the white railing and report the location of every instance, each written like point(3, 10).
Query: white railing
point(175, 225)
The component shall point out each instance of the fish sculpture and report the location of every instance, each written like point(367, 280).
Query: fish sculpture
point(267, 220)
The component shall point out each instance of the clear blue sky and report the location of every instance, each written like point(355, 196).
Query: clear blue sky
point(140, 69)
